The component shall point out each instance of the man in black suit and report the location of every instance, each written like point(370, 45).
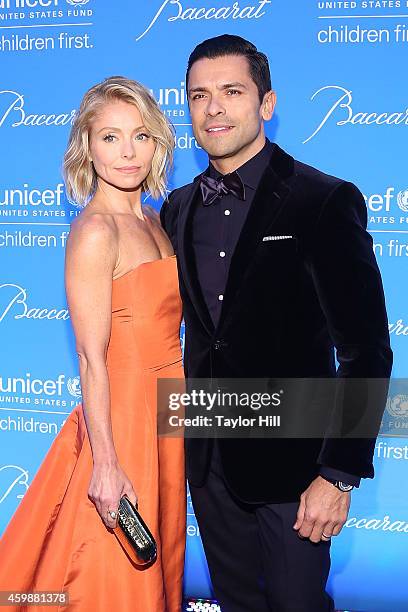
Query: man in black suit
point(276, 272)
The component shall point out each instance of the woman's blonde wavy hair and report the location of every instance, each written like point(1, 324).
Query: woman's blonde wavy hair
point(79, 173)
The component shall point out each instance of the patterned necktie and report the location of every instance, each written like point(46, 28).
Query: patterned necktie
point(212, 189)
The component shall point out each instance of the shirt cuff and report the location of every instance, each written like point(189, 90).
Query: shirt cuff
point(348, 479)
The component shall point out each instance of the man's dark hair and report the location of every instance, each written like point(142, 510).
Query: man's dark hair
point(229, 44)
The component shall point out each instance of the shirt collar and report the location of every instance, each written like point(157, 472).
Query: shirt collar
point(252, 171)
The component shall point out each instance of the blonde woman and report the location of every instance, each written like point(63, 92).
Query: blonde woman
point(122, 290)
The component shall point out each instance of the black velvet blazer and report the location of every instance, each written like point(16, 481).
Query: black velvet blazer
point(289, 304)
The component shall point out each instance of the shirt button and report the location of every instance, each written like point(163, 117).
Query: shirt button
point(221, 297)
point(227, 212)
point(222, 253)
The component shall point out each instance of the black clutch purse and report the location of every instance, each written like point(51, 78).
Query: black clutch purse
point(134, 535)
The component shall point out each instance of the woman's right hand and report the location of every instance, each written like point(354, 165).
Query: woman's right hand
point(108, 484)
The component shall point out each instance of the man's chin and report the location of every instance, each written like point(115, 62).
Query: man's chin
point(219, 150)
point(218, 146)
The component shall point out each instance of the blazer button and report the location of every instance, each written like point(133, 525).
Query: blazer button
point(219, 344)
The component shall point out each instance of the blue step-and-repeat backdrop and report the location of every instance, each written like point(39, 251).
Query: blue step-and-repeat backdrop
point(338, 69)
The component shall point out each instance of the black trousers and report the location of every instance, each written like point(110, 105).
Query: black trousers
point(257, 562)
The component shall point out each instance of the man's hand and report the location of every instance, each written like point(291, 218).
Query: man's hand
point(323, 509)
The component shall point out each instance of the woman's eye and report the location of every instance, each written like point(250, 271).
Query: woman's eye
point(109, 138)
point(142, 136)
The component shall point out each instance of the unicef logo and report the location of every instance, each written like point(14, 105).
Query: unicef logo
point(74, 386)
point(77, 2)
point(397, 406)
point(402, 199)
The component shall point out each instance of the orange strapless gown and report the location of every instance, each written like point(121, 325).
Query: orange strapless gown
point(56, 540)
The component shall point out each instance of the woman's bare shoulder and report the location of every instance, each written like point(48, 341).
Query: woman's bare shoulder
point(93, 232)
point(93, 224)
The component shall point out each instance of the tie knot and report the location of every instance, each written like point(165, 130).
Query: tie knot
point(212, 189)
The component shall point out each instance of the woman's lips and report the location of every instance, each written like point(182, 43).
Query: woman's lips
point(128, 169)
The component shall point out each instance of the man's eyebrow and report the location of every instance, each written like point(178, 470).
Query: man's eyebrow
point(195, 89)
point(230, 85)
point(221, 87)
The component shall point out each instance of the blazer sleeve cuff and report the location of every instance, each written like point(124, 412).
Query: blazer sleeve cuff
point(349, 479)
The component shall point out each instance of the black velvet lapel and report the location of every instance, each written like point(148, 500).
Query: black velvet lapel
point(269, 200)
point(187, 261)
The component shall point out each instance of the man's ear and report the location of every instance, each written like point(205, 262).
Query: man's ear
point(268, 105)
